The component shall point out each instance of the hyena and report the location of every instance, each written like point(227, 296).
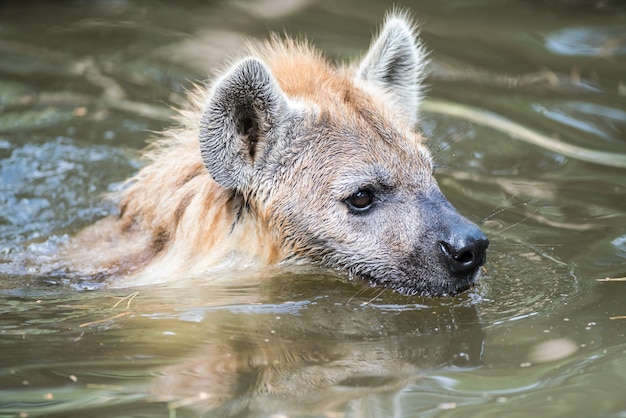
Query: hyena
point(288, 158)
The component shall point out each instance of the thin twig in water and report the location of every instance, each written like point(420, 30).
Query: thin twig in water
point(130, 299)
point(358, 292)
point(86, 324)
point(379, 294)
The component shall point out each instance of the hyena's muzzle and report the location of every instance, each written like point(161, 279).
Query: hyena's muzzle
point(458, 245)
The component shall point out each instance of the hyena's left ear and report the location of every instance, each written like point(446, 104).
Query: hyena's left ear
point(243, 122)
point(396, 63)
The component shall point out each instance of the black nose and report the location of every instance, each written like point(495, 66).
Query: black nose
point(464, 251)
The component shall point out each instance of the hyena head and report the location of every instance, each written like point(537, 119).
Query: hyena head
point(329, 160)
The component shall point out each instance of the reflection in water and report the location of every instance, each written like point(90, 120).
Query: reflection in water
point(293, 344)
point(331, 355)
point(591, 41)
point(601, 121)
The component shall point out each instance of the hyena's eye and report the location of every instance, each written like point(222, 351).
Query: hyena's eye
point(360, 200)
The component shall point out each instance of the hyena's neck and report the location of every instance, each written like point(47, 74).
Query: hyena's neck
point(214, 230)
point(195, 226)
point(174, 220)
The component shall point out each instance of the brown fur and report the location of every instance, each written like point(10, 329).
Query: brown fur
point(173, 205)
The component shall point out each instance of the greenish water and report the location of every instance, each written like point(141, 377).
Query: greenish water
point(535, 155)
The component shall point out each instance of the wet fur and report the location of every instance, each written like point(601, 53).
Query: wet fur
point(261, 161)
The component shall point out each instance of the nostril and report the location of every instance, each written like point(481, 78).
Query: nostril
point(463, 259)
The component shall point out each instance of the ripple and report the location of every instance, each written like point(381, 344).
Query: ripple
point(524, 282)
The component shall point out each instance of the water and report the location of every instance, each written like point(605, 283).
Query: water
point(540, 166)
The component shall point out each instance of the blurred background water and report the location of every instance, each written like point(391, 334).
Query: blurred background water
point(527, 118)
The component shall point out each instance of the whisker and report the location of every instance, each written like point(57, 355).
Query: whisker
point(525, 218)
point(521, 244)
point(501, 208)
point(442, 147)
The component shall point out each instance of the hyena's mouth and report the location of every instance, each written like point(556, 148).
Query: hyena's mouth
point(425, 287)
point(452, 268)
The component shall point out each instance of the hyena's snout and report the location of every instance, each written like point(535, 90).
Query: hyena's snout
point(460, 247)
point(463, 247)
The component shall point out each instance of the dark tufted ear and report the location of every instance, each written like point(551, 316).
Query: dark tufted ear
point(243, 119)
point(396, 63)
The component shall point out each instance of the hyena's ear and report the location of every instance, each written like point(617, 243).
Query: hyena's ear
point(243, 120)
point(396, 62)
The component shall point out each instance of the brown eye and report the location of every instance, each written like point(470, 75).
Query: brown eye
point(361, 200)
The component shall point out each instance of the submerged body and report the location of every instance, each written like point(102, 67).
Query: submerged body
point(288, 158)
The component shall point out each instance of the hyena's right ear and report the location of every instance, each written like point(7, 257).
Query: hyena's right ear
point(396, 63)
point(244, 119)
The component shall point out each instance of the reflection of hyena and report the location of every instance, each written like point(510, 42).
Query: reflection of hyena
point(329, 359)
point(287, 158)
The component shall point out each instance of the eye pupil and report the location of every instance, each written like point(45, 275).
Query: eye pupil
point(361, 199)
